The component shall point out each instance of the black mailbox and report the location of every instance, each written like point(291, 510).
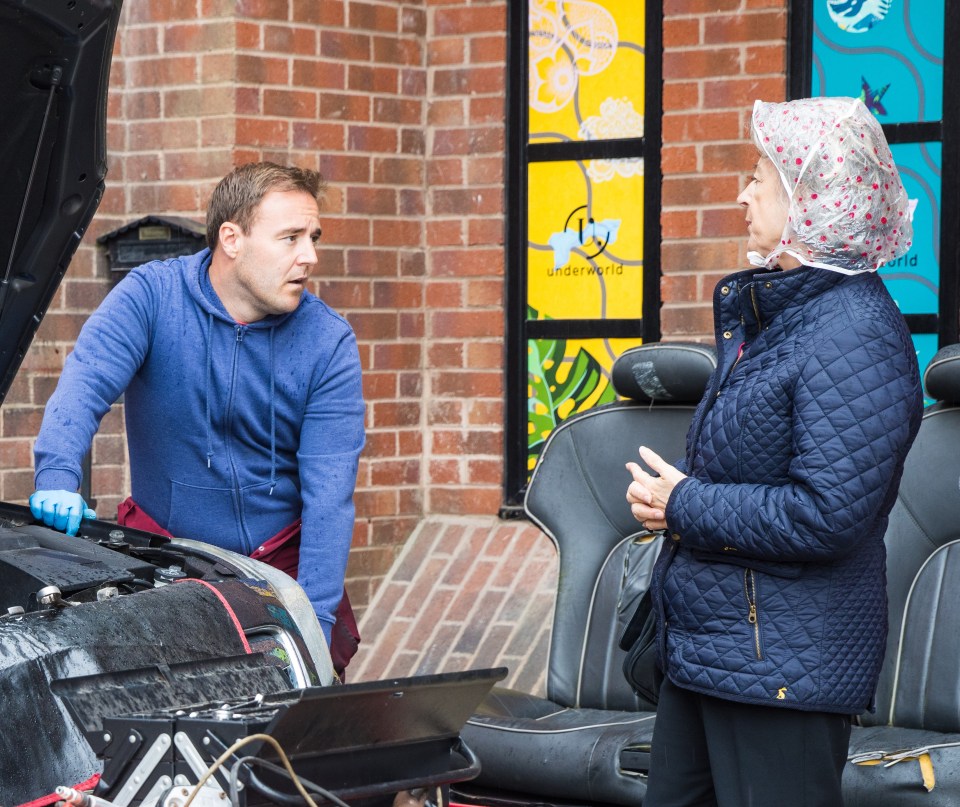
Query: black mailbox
point(152, 238)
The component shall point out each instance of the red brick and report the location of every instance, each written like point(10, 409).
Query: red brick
point(679, 288)
point(323, 14)
point(444, 294)
point(379, 386)
point(398, 110)
point(762, 59)
point(289, 103)
point(463, 263)
point(482, 292)
point(372, 79)
point(705, 189)
point(678, 7)
point(388, 414)
point(352, 107)
point(745, 27)
point(397, 294)
point(198, 37)
point(487, 110)
point(488, 49)
point(263, 9)
point(287, 40)
point(682, 31)
point(446, 51)
point(391, 50)
point(688, 63)
point(326, 76)
point(398, 171)
point(445, 233)
point(681, 96)
point(485, 170)
point(469, 80)
point(367, 200)
point(686, 128)
point(256, 69)
point(410, 442)
point(729, 157)
point(723, 222)
point(679, 224)
point(466, 500)
point(460, 20)
point(485, 413)
point(324, 137)
point(368, 16)
point(741, 92)
point(466, 202)
point(391, 232)
point(380, 139)
point(412, 21)
point(446, 112)
point(445, 413)
point(700, 254)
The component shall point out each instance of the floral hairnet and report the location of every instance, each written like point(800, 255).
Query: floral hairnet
point(848, 209)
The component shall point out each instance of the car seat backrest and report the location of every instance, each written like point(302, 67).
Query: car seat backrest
point(924, 606)
point(577, 496)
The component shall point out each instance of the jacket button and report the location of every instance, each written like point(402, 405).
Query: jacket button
point(727, 335)
point(724, 290)
point(675, 536)
point(768, 285)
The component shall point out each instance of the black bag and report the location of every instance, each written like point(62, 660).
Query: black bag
point(639, 639)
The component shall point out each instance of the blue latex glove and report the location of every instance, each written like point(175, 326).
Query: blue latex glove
point(60, 509)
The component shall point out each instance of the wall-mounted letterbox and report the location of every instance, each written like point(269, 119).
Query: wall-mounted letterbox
point(152, 238)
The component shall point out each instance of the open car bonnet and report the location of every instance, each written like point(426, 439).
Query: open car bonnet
point(55, 62)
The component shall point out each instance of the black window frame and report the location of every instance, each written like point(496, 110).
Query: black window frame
point(520, 153)
point(946, 131)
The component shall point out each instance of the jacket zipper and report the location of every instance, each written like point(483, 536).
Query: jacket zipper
point(237, 498)
point(750, 590)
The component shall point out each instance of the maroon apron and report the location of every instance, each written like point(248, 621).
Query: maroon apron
point(282, 551)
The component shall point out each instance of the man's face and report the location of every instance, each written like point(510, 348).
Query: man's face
point(276, 256)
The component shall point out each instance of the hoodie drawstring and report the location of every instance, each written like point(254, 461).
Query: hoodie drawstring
point(273, 419)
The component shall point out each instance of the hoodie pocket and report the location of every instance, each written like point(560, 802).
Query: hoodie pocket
point(204, 514)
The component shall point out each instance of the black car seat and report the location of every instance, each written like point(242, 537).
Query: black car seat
point(588, 741)
point(912, 741)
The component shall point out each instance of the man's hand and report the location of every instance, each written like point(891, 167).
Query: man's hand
point(648, 495)
point(60, 509)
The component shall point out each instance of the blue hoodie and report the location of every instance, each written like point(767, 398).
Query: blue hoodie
point(234, 430)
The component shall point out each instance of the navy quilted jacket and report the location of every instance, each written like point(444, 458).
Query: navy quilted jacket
point(773, 590)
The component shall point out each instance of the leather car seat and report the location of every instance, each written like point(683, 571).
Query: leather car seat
point(588, 741)
point(912, 741)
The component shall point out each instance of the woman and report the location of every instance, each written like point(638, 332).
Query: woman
point(770, 587)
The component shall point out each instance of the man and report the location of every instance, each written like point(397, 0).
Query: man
point(244, 408)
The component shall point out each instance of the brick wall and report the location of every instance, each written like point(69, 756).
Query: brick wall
point(401, 104)
point(719, 56)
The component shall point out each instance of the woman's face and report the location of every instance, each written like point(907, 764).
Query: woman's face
point(765, 207)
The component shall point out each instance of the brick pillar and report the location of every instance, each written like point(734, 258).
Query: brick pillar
point(719, 55)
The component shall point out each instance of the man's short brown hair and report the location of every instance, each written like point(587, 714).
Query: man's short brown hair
point(238, 195)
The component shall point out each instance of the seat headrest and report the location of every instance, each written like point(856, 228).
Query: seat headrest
point(941, 379)
point(672, 372)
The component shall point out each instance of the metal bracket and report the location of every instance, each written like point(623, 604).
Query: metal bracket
point(138, 777)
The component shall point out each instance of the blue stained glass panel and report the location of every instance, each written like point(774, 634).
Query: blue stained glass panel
point(914, 278)
point(888, 52)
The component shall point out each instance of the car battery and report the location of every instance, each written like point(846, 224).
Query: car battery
point(361, 742)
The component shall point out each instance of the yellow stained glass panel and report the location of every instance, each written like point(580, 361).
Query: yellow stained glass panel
point(585, 248)
point(564, 377)
point(586, 69)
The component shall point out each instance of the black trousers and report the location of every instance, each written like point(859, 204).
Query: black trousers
point(709, 752)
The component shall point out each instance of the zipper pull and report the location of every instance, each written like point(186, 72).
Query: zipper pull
point(240, 330)
point(752, 616)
